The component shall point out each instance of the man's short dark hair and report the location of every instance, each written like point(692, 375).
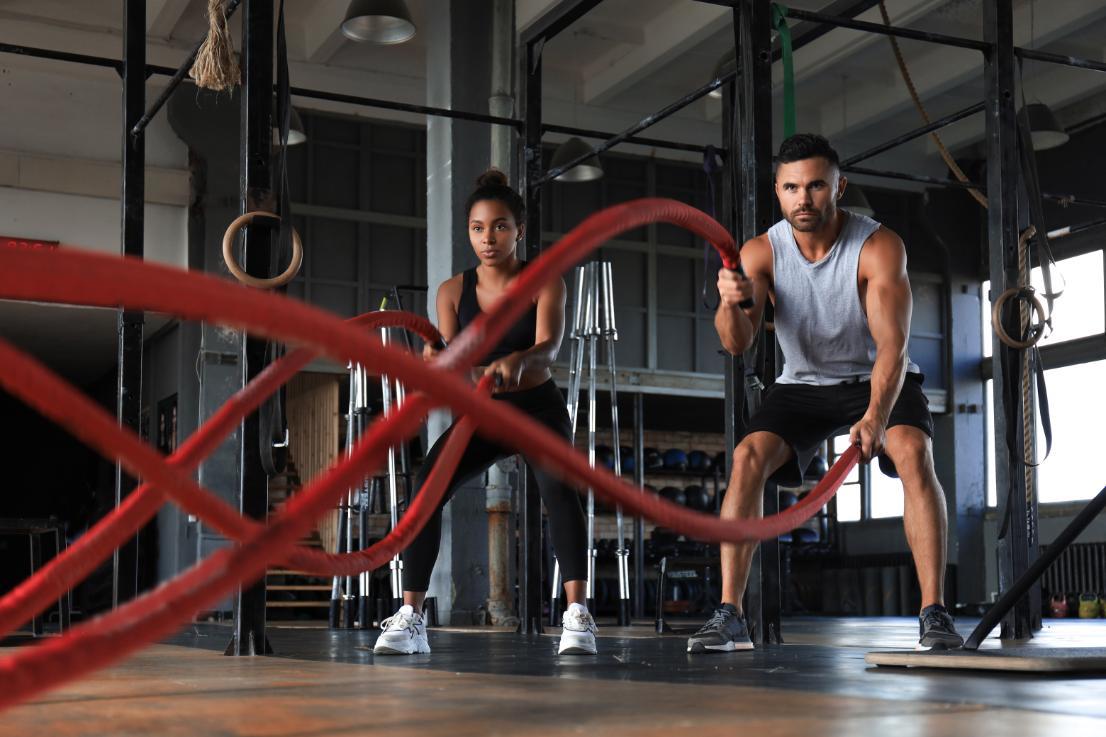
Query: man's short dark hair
point(806, 146)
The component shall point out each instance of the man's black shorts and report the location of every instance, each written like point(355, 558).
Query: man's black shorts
point(804, 416)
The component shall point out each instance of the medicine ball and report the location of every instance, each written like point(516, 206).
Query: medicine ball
point(805, 535)
point(675, 460)
point(662, 536)
point(697, 460)
point(697, 497)
point(674, 494)
point(604, 456)
point(653, 460)
point(626, 456)
point(720, 461)
point(816, 469)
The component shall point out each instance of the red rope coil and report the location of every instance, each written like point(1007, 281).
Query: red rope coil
point(96, 280)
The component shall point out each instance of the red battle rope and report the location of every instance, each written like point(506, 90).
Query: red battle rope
point(96, 280)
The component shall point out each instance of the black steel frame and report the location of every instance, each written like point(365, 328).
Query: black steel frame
point(256, 182)
point(999, 58)
point(750, 17)
point(125, 561)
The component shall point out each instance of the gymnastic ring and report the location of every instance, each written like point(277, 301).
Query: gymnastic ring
point(252, 281)
point(1025, 293)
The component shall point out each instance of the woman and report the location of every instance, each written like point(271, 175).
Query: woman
point(496, 217)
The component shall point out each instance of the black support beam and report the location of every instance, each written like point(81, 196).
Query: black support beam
point(883, 30)
point(752, 29)
point(1016, 550)
point(129, 324)
point(530, 568)
point(256, 180)
point(916, 133)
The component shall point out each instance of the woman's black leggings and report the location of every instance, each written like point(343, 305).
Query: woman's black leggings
point(546, 404)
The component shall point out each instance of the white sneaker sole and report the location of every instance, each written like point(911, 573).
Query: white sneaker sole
point(728, 647)
point(416, 646)
point(575, 645)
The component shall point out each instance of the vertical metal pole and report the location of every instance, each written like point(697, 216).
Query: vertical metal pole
point(530, 605)
point(337, 582)
point(1015, 553)
point(752, 30)
point(575, 373)
point(498, 490)
point(592, 330)
point(256, 189)
point(129, 324)
point(395, 565)
point(639, 522)
point(609, 328)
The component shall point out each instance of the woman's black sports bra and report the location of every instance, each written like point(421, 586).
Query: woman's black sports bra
point(521, 335)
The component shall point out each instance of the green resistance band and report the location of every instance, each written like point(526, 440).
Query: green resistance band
point(779, 22)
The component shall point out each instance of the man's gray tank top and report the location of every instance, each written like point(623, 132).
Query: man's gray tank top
point(820, 324)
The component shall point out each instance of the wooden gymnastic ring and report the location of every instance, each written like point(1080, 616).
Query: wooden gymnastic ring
point(252, 281)
point(1026, 293)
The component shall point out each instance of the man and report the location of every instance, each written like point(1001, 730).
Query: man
point(842, 303)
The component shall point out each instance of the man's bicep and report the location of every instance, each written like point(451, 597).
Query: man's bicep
point(889, 307)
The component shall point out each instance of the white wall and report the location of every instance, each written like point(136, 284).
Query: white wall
point(60, 152)
point(62, 109)
point(92, 223)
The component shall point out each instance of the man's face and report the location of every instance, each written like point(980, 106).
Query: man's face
point(808, 190)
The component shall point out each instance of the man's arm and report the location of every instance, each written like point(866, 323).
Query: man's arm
point(888, 304)
point(737, 327)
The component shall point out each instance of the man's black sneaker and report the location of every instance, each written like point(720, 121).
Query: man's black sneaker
point(936, 630)
point(724, 632)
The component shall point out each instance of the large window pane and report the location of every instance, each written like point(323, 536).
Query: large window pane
point(848, 496)
point(848, 503)
point(1078, 312)
point(675, 338)
point(840, 445)
point(1077, 398)
point(675, 283)
point(886, 495)
point(989, 442)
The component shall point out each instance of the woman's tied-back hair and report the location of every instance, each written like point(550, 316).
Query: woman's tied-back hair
point(492, 185)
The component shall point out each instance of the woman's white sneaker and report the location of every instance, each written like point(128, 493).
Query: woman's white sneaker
point(577, 631)
point(404, 633)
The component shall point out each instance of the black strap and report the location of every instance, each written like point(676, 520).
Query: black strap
point(1012, 406)
point(711, 260)
point(271, 415)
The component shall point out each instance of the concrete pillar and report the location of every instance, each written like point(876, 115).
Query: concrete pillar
point(458, 37)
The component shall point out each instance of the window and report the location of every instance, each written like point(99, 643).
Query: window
point(1077, 398)
point(884, 494)
point(989, 444)
point(663, 323)
point(848, 496)
point(1079, 310)
point(1075, 391)
point(359, 200)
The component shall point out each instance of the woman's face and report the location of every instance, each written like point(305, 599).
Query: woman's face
point(493, 232)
